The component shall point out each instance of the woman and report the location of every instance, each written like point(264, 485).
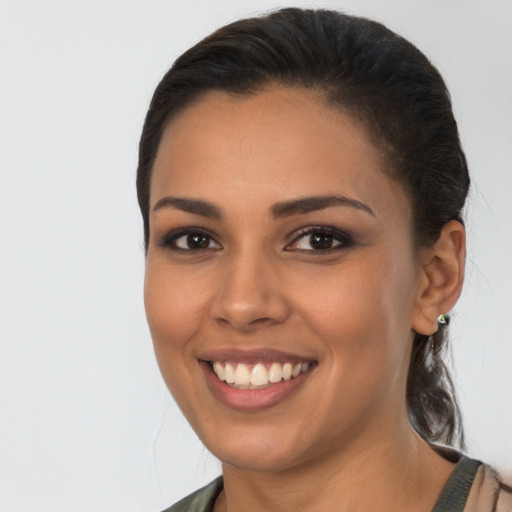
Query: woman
point(302, 183)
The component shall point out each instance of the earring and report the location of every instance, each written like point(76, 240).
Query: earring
point(443, 319)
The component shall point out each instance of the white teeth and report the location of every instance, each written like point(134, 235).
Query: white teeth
point(259, 375)
point(275, 374)
point(229, 373)
point(242, 375)
point(219, 370)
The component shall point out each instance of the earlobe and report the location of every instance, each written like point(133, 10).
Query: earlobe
point(442, 276)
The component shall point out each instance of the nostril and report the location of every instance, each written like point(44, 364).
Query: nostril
point(245, 326)
point(248, 300)
point(260, 321)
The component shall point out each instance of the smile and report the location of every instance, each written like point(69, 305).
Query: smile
point(256, 379)
point(257, 376)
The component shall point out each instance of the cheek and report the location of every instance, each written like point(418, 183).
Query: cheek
point(360, 316)
point(173, 305)
point(174, 310)
point(362, 312)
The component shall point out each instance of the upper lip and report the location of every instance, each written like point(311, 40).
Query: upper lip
point(253, 355)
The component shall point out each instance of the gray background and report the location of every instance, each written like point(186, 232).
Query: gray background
point(85, 421)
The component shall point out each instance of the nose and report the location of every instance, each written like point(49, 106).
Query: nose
point(250, 295)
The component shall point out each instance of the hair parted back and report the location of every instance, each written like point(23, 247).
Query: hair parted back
point(384, 82)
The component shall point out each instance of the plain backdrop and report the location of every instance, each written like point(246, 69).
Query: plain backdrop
point(86, 424)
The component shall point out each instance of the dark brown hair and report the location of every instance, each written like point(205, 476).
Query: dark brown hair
point(385, 83)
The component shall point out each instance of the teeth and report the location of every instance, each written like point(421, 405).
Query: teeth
point(242, 375)
point(219, 370)
point(287, 371)
point(259, 377)
point(229, 374)
point(275, 374)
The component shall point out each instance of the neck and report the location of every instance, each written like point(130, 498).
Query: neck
point(394, 472)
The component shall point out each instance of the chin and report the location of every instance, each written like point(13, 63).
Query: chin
point(257, 449)
point(249, 460)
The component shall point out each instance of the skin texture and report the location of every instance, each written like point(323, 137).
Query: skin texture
point(343, 436)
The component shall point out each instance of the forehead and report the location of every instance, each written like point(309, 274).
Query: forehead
point(281, 143)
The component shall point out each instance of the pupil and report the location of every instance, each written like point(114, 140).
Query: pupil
point(197, 241)
point(321, 241)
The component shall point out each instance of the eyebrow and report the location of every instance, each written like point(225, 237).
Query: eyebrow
point(311, 204)
point(302, 206)
point(195, 206)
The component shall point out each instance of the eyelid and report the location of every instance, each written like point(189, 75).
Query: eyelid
point(343, 237)
point(169, 238)
point(345, 240)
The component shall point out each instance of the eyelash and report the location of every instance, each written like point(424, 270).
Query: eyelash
point(344, 240)
point(171, 238)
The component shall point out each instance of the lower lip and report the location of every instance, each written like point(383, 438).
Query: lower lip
point(251, 399)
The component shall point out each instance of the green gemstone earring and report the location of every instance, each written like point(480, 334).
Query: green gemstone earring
point(442, 319)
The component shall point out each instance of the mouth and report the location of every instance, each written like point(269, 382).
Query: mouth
point(254, 380)
point(260, 375)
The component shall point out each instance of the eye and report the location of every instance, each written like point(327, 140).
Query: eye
point(320, 239)
point(189, 240)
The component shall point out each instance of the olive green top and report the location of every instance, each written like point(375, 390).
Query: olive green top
point(472, 487)
point(202, 500)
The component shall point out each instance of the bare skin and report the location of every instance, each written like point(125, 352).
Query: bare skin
point(411, 479)
point(237, 261)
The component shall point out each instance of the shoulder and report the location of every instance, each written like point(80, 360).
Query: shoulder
point(489, 492)
point(201, 500)
point(473, 486)
point(504, 502)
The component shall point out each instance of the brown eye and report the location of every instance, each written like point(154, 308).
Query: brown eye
point(195, 241)
point(318, 239)
point(190, 240)
point(321, 241)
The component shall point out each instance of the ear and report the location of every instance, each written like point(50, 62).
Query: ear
point(441, 279)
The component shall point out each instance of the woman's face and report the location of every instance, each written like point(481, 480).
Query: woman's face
point(278, 244)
